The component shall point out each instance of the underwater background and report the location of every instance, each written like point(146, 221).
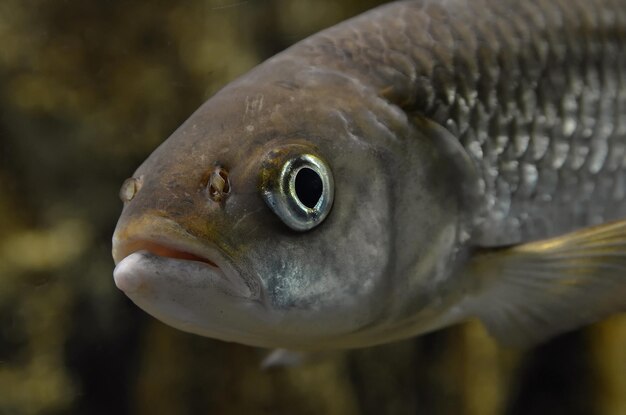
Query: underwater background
point(87, 91)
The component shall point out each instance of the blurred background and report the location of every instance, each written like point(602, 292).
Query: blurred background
point(87, 91)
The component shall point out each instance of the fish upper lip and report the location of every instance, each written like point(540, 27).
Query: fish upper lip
point(163, 250)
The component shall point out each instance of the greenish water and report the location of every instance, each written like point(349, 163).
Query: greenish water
point(87, 90)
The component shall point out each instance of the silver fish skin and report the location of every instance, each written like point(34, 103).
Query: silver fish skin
point(477, 155)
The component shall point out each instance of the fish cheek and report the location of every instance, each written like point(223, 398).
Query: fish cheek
point(332, 278)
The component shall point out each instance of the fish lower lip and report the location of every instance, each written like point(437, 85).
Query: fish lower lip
point(143, 270)
point(138, 261)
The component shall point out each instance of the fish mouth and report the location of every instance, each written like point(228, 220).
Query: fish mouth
point(141, 261)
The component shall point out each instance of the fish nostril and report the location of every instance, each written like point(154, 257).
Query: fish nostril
point(129, 188)
point(219, 185)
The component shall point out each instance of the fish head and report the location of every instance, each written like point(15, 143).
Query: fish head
point(265, 219)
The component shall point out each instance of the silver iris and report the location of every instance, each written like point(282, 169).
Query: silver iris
point(302, 194)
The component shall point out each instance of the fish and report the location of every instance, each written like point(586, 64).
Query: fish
point(419, 165)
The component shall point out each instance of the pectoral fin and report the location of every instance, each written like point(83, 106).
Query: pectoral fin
point(529, 292)
point(281, 358)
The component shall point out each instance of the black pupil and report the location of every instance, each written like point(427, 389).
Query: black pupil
point(309, 187)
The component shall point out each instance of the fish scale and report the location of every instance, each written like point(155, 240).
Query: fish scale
point(528, 202)
point(534, 92)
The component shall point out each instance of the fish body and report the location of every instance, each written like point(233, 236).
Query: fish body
point(418, 165)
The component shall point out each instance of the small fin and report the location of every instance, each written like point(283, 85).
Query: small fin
point(282, 358)
point(527, 293)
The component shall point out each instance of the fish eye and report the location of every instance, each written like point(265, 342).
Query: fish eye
point(301, 195)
